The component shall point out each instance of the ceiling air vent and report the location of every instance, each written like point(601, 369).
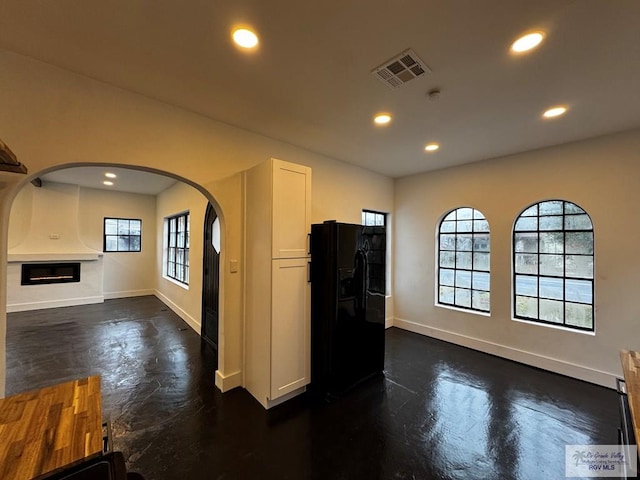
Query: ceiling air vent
point(401, 69)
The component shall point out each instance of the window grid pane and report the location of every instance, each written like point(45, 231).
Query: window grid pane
point(122, 235)
point(376, 258)
point(177, 262)
point(553, 265)
point(374, 219)
point(463, 260)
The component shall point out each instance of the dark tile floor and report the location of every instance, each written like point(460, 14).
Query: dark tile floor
point(439, 412)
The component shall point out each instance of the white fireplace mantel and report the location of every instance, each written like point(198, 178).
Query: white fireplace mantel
point(48, 257)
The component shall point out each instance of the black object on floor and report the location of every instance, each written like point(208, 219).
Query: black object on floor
point(347, 306)
point(439, 412)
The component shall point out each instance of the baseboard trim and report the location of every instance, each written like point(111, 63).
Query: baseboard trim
point(67, 302)
point(228, 382)
point(605, 379)
point(284, 398)
point(388, 322)
point(128, 294)
point(192, 322)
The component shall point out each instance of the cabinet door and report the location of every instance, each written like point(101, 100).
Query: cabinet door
point(290, 326)
point(291, 209)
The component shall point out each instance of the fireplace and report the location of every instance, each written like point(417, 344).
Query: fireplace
point(45, 273)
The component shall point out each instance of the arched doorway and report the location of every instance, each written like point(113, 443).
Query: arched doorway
point(187, 307)
point(211, 279)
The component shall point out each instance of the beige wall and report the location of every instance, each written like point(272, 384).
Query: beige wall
point(601, 175)
point(20, 218)
point(186, 300)
point(126, 274)
point(51, 117)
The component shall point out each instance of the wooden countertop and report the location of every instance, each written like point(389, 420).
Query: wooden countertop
point(631, 370)
point(45, 430)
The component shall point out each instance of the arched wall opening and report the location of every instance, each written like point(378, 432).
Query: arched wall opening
point(208, 194)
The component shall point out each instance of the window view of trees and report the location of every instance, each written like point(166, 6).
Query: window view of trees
point(464, 260)
point(553, 265)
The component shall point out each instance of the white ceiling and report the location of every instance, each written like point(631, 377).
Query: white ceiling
point(310, 84)
point(127, 179)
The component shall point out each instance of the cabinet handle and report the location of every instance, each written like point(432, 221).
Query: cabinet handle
point(308, 244)
point(308, 272)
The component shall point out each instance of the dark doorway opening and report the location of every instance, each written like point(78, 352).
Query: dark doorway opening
point(211, 280)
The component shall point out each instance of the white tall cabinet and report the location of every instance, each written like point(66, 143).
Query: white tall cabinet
point(277, 314)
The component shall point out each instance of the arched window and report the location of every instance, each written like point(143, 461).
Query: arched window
point(463, 260)
point(553, 265)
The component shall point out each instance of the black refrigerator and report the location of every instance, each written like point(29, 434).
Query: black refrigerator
point(347, 305)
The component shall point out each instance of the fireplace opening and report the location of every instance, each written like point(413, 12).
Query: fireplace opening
point(45, 273)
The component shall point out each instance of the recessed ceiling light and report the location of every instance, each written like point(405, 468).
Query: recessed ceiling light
point(382, 119)
point(432, 147)
point(555, 112)
point(108, 183)
point(110, 175)
point(245, 38)
point(527, 42)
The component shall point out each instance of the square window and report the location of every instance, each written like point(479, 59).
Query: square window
point(122, 235)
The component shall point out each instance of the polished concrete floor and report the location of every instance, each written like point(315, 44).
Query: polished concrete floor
point(439, 412)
